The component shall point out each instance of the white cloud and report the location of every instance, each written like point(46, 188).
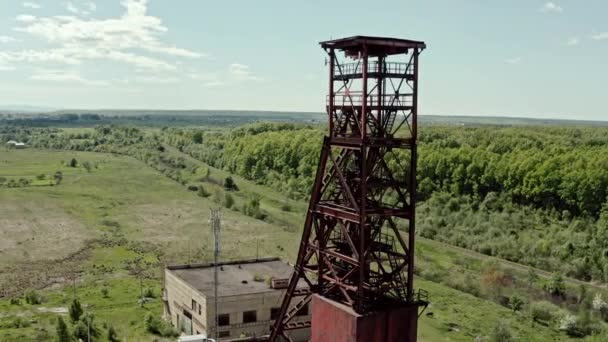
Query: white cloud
point(573, 41)
point(7, 68)
point(241, 72)
point(122, 39)
point(31, 5)
point(7, 39)
point(551, 7)
point(71, 7)
point(65, 76)
point(25, 18)
point(513, 60)
point(34, 56)
point(600, 36)
point(214, 84)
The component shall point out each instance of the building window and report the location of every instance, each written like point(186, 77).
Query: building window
point(250, 316)
point(303, 311)
point(199, 309)
point(224, 334)
point(194, 305)
point(274, 313)
point(223, 319)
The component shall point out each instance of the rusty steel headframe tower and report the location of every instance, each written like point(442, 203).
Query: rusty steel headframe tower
point(352, 256)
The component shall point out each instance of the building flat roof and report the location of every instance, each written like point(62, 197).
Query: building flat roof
point(235, 277)
point(374, 45)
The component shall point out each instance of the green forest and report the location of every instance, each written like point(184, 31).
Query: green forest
point(533, 195)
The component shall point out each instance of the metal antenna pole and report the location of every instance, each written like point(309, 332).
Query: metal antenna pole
point(215, 227)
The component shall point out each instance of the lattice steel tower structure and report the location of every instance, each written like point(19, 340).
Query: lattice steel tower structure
point(356, 266)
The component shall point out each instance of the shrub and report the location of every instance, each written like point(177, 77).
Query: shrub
point(555, 285)
point(149, 293)
point(516, 303)
point(73, 162)
point(32, 297)
point(41, 176)
point(501, 333)
point(228, 201)
point(104, 292)
point(285, 207)
point(202, 192)
point(157, 326)
point(569, 324)
point(543, 311)
point(15, 301)
point(112, 335)
point(192, 187)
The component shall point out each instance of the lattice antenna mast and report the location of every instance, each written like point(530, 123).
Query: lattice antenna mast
point(215, 221)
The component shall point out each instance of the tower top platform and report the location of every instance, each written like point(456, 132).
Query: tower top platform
point(376, 46)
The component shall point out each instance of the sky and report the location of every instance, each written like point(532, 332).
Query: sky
point(523, 58)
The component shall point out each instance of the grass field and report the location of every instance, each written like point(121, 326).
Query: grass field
point(74, 238)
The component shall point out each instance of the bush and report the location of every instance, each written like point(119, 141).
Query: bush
point(228, 201)
point(105, 292)
point(33, 298)
point(285, 207)
point(516, 303)
point(501, 333)
point(159, 327)
point(149, 293)
point(569, 323)
point(555, 285)
point(112, 335)
point(202, 192)
point(73, 162)
point(192, 187)
point(15, 301)
point(543, 312)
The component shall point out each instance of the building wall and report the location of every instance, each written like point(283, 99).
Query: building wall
point(179, 296)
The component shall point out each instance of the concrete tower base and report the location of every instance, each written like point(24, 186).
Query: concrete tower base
point(335, 322)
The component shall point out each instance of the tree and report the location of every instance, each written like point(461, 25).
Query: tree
point(555, 285)
point(63, 334)
point(112, 335)
point(229, 184)
point(85, 328)
point(73, 162)
point(87, 166)
point(75, 310)
point(197, 137)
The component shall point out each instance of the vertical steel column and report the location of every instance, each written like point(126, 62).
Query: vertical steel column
point(364, 100)
point(413, 187)
point(332, 59)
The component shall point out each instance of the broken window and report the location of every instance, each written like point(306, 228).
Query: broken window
point(274, 313)
point(250, 316)
point(223, 319)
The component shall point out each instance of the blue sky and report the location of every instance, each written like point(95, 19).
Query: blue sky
point(507, 58)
